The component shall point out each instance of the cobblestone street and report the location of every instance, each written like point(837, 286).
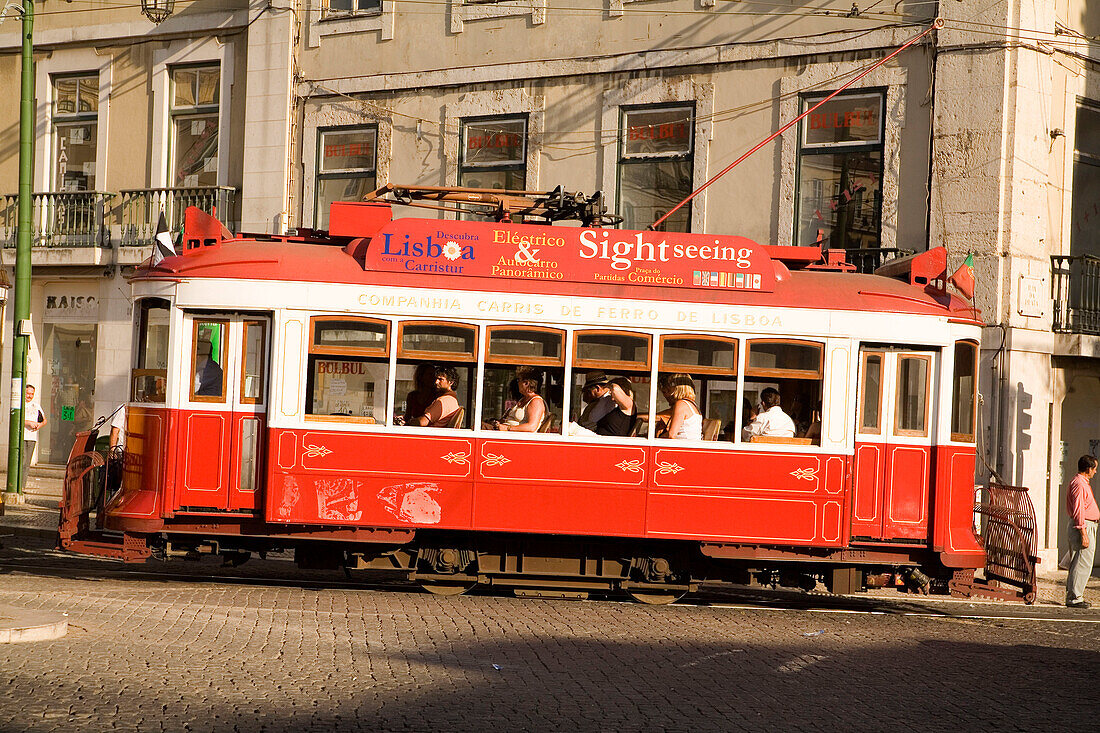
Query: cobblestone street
point(263, 647)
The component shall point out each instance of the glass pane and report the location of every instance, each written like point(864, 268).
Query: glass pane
point(700, 353)
point(68, 381)
point(769, 356)
point(209, 356)
point(912, 394)
point(153, 334)
point(647, 191)
point(75, 151)
point(520, 343)
point(438, 338)
point(494, 142)
point(183, 87)
point(192, 87)
point(844, 119)
point(209, 83)
point(964, 389)
point(839, 195)
point(250, 430)
point(513, 180)
point(348, 149)
point(613, 347)
point(76, 95)
point(340, 189)
point(350, 334)
point(872, 393)
point(195, 150)
point(1085, 235)
point(252, 377)
point(664, 131)
point(349, 387)
point(1087, 136)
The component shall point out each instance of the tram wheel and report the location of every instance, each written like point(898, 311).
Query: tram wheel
point(656, 597)
point(439, 587)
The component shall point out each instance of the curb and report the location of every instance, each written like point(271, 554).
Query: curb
point(20, 625)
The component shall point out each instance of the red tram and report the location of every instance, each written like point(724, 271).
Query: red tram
point(267, 373)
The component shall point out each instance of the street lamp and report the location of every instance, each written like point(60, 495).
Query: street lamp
point(157, 10)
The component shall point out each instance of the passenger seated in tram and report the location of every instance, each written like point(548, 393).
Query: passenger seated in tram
point(682, 420)
point(208, 374)
point(596, 394)
point(770, 421)
point(443, 409)
point(423, 393)
point(529, 412)
point(620, 420)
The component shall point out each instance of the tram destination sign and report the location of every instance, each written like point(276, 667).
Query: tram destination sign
point(567, 254)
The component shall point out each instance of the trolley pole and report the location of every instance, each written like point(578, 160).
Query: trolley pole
point(22, 295)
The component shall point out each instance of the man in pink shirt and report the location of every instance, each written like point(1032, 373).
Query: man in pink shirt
point(1083, 515)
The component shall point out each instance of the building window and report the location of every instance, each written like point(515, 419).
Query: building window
point(75, 130)
point(340, 8)
point(494, 153)
point(345, 167)
point(1085, 236)
point(655, 164)
point(196, 96)
point(839, 199)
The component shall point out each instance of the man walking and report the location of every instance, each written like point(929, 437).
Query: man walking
point(1083, 515)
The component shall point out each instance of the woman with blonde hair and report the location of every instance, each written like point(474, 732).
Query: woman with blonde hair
point(682, 419)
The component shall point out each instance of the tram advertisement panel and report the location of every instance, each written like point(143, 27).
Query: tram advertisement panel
point(576, 255)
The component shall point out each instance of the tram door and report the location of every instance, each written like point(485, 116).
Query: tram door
point(225, 415)
point(892, 472)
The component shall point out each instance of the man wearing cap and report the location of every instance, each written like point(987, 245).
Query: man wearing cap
point(596, 394)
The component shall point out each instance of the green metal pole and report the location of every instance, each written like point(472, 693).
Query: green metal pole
point(22, 296)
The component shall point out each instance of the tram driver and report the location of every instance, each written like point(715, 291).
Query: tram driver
point(208, 373)
point(770, 420)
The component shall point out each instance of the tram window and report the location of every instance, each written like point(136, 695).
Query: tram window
point(208, 349)
point(911, 411)
point(711, 363)
point(964, 388)
point(425, 346)
point(796, 370)
point(150, 374)
point(252, 366)
point(616, 354)
point(523, 353)
point(870, 405)
point(348, 369)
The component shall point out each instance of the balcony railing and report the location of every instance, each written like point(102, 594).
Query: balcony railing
point(868, 259)
point(140, 209)
point(88, 218)
point(1075, 285)
point(61, 219)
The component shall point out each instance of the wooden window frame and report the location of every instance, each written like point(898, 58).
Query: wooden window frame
point(524, 360)
point(195, 323)
point(966, 437)
point(316, 321)
point(609, 365)
point(860, 428)
point(898, 431)
point(664, 366)
point(441, 356)
point(246, 323)
point(779, 373)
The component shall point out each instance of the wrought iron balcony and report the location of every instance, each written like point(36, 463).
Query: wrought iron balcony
point(868, 259)
point(140, 209)
point(1075, 287)
point(61, 219)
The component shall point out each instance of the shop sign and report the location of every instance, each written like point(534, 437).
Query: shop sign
point(528, 252)
point(71, 303)
point(845, 120)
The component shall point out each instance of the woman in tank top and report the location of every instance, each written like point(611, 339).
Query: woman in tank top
point(525, 416)
point(682, 419)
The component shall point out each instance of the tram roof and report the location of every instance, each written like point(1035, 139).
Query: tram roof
point(305, 259)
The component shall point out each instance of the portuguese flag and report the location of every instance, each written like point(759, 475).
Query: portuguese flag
point(963, 279)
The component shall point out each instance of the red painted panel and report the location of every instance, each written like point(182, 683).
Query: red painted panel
point(953, 520)
point(584, 464)
point(304, 498)
point(867, 490)
point(907, 488)
point(205, 462)
point(143, 474)
point(733, 518)
point(702, 469)
point(563, 509)
point(377, 453)
point(831, 525)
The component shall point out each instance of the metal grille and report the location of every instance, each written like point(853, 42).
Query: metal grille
point(1075, 283)
point(866, 260)
point(1010, 537)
